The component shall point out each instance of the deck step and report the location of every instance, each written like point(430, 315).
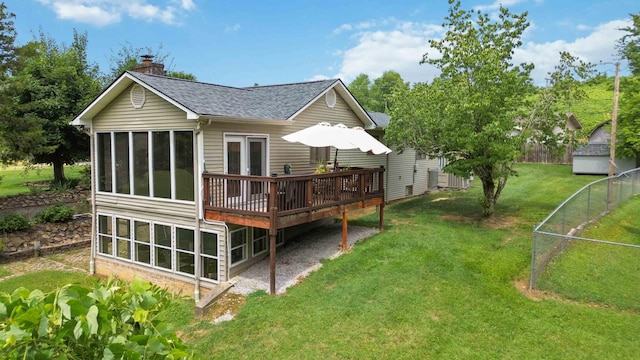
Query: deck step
point(213, 295)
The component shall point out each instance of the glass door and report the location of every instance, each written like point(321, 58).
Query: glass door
point(245, 155)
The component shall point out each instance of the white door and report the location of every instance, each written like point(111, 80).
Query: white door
point(244, 155)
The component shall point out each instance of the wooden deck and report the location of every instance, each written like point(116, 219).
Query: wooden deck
point(277, 202)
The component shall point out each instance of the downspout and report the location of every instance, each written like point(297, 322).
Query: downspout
point(201, 170)
point(198, 199)
point(93, 184)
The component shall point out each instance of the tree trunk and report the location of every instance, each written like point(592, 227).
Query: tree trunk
point(58, 172)
point(489, 204)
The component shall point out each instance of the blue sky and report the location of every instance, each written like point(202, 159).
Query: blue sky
point(240, 43)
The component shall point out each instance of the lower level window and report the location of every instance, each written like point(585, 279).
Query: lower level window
point(238, 245)
point(162, 246)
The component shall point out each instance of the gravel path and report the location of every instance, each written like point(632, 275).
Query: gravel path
point(297, 259)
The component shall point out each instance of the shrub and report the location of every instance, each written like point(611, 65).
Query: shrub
point(85, 177)
point(112, 320)
point(55, 213)
point(63, 186)
point(14, 222)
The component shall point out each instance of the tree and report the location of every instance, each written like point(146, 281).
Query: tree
point(382, 88)
point(7, 40)
point(628, 132)
point(377, 96)
point(359, 88)
point(51, 84)
point(483, 108)
point(128, 57)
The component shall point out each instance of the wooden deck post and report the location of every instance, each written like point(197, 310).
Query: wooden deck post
point(273, 233)
point(344, 230)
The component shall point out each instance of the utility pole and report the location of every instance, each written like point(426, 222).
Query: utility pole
point(614, 120)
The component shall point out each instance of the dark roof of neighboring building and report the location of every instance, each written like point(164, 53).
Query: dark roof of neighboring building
point(592, 150)
point(256, 102)
point(381, 119)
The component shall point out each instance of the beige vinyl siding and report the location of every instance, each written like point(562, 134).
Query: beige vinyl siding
point(167, 210)
point(156, 114)
point(280, 151)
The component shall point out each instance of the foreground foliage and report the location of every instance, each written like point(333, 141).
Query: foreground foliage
point(114, 320)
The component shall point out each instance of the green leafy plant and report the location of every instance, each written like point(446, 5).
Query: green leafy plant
point(62, 186)
point(321, 168)
point(112, 320)
point(14, 222)
point(55, 213)
point(85, 177)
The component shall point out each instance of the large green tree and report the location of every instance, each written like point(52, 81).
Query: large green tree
point(7, 40)
point(376, 96)
point(628, 133)
point(128, 56)
point(481, 110)
point(51, 84)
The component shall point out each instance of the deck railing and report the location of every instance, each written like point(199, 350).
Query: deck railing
point(291, 194)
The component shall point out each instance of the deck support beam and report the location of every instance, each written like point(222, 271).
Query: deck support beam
point(344, 230)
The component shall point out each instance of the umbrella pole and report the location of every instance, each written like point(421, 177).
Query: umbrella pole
point(335, 161)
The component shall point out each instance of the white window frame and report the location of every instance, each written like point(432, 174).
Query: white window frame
point(177, 250)
point(264, 238)
point(173, 228)
point(135, 242)
point(217, 257)
point(117, 238)
point(150, 164)
point(244, 246)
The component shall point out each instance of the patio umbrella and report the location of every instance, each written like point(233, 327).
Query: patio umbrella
point(339, 136)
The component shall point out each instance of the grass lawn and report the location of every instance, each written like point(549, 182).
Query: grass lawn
point(601, 273)
point(13, 178)
point(438, 283)
point(46, 281)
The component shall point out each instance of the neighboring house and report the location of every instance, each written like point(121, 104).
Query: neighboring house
point(188, 178)
point(410, 172)
point(594, 157)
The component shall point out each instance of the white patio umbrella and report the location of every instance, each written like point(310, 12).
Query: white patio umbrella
point(338, 136)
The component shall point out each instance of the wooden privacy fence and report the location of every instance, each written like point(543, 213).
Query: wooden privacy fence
point(540, 154)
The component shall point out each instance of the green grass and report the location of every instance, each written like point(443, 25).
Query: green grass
point(601, 273)
point(13, 178)
point(437, 283)
point(46, 281)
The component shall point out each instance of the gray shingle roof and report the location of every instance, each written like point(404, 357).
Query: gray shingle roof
point(381, 119)
point(592, 150)
point(257, 102)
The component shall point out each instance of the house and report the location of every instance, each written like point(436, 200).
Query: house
point(594, 157)
point(410, 172)
point(188, 178)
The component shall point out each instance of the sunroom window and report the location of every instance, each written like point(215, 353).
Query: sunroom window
point(153, 163)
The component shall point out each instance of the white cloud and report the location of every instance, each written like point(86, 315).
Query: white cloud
point(106, 12)
point(232, 28)
point(401, 49)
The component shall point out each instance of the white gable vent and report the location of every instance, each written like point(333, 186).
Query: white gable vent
point(137, 96)
point(330, 98)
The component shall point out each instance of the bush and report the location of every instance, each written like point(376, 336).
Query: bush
point(63, 186)
point(85, 177)
point(55, 213)
point(14, 222)
point(115, 320)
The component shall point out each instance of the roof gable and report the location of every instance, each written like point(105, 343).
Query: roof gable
point(197, 99)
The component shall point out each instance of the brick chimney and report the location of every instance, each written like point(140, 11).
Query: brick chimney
point(149, 67)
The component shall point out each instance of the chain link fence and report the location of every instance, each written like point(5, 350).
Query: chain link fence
point(568, 220)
